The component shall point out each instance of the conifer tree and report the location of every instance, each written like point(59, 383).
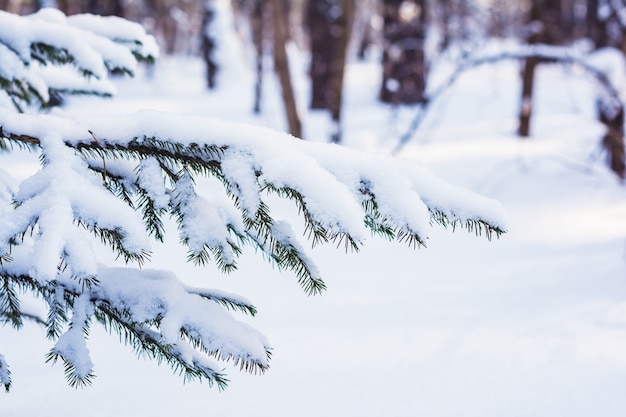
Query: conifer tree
point(119, 180)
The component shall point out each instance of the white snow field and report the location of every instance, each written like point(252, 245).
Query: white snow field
point(529, 325)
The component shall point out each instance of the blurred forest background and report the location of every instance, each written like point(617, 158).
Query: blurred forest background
point(407, 37)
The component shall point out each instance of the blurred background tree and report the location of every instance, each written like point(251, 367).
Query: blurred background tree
point(405, 37)
point(405, 24)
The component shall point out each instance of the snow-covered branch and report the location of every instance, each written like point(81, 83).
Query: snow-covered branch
point(48, 53)
point(117, 180)
point(152, 162)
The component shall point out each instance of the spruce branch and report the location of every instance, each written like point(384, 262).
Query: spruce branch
point(71, 346)
point(9, 303)
point(22, 141)
point(49, 54)
point(374, 220)
point(25, 316)
point(477, 226)
point(57, 311)
point(314, 229)
point(52, 293)
point(152, 216)
point(5, 374)
point(73, 376)
point(146, 341)
point(114, 238)
point(82, 91)
point(283, 253)
point(229, 301)
point(119, 187)
point(186, 207)
point(226, 263)
point(194, 158)
point(245, 363)
point(104, 161)
point(10, 310)
point(170, 164)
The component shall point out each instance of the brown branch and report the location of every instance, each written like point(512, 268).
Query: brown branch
point(24, 139)
point(533, 53)
point(104, 163)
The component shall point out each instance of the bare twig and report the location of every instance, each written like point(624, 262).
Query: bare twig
point(541, 52)
point(104, 163)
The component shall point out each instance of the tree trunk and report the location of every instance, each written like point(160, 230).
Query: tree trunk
point(613, 118)
point(329, 24)
point(164, 25)
point(339, 65)
point(594, 28)
point(106, 8)
point(257, 19)
point(281, 66)
point(404, 64)
point(70, 7)
point(209, 44)
point(543, 27)
point(611, 114)
point(364, 22)
point(528, 80)
point(605, 23)
point(445, 12)
point(324, 27)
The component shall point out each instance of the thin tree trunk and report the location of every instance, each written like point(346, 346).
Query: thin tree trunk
point(613, 141)
point(164, 25)
point(281, 66)
point(363, 17)
point(257, 19)
point(592, 21)
point(530, 64)
point(610, 113)
point(209, 44)
point(106, 8)
point(445, 9)
point(323, 29)
point(528, 80)
point(339, 63)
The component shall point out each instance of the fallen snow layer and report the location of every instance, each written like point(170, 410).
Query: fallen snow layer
point(533, 324)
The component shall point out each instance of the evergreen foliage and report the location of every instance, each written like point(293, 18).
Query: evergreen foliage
point(119, 180)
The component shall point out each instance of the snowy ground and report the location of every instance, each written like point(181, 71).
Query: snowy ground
point(532, 324)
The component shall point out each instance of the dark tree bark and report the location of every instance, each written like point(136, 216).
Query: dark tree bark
point(106, 7)
point(329, 25)
point(613, 118)
point(323, 23)
point(404, 64)
point(257, 26)
point(338, 67)
point(446, 20)
point(70, 7)
point(364, 20)
point(543, 27)
point(551, 22)
point(528, 80)
point(605, 24)
point(607, 30)
point(528, 72)
point(209, 44)
point(281, 66)
point(593, 26)
point(164, 24)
